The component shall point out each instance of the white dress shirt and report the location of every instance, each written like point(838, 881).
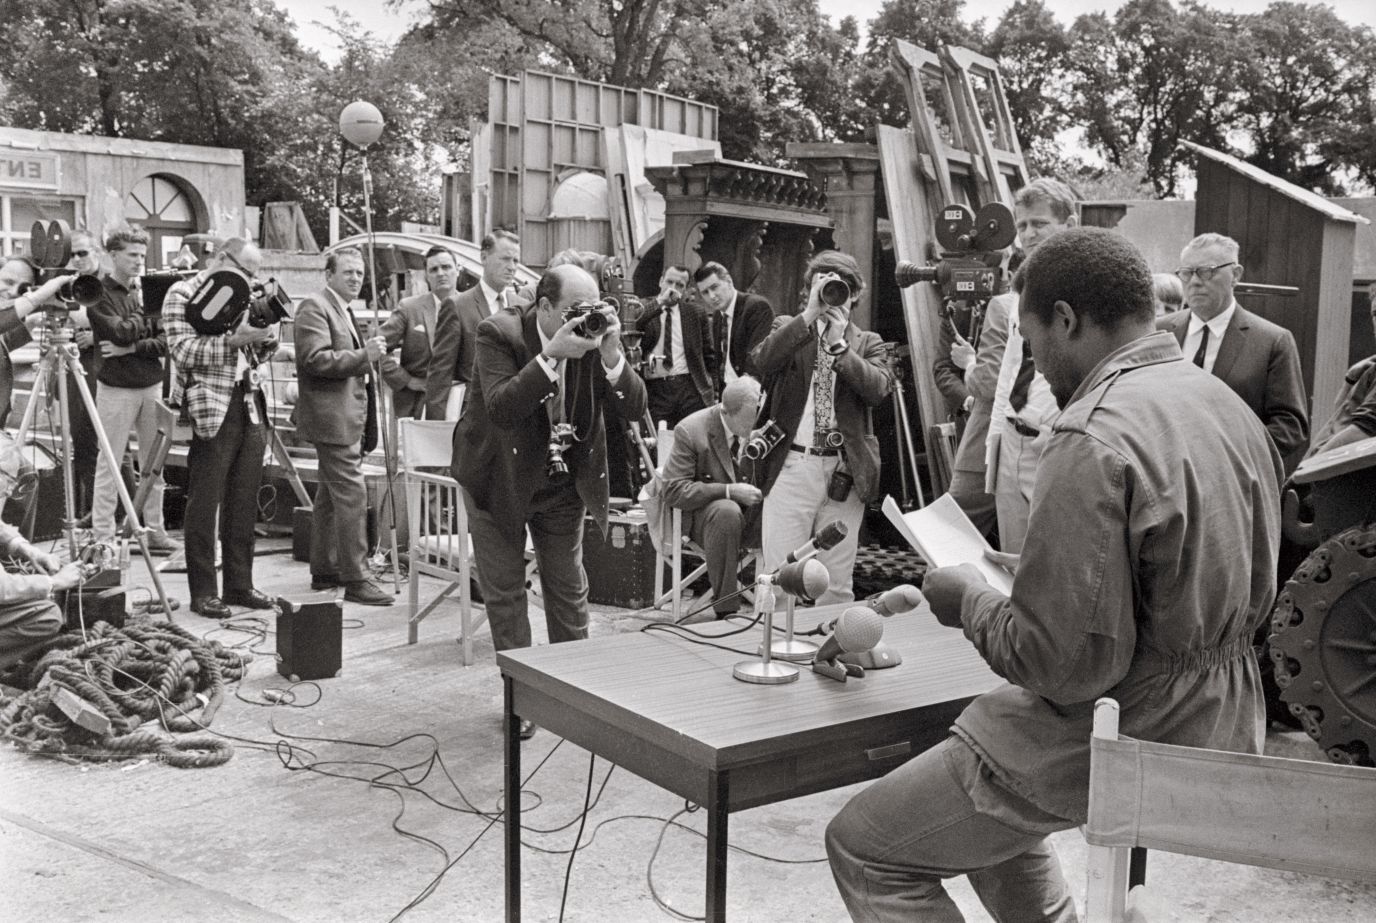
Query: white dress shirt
point(1217, 327)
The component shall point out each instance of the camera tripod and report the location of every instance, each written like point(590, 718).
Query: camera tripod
point(59, 357)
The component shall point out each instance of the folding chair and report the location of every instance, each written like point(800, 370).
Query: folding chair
point(675, 543)
point(439, 540)
point(1296, 815)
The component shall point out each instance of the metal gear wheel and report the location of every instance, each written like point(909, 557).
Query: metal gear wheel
point(1323, 644)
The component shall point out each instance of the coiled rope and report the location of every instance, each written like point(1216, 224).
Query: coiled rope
point(132, 675)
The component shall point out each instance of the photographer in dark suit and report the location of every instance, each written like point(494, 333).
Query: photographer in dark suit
point(678, 352)
point(707, 477)
point(531, 449)
point(337, 412)
point(822, 374)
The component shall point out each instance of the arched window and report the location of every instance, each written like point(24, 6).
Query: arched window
point(164, 207)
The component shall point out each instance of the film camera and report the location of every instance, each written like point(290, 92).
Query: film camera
point(972, 253)
point(594, 321)
point(763, 442)
point(222, 298)
point(560, 438)
point(50, 248)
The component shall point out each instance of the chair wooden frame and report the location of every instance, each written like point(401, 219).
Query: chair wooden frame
point(1297, 815)
point(439, 543)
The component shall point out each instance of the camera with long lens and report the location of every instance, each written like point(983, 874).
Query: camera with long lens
point(835, 293)
point(594, 321)
point(50, 248)
point(969, 268)
point(765, 441)
point(560, 438)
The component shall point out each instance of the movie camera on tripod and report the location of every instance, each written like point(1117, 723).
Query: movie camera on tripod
point(969, 269)
point(50, 248)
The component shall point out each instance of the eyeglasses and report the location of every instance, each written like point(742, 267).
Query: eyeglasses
point(1205, 273)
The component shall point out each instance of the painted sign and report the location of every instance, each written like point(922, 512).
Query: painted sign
point(29, 169)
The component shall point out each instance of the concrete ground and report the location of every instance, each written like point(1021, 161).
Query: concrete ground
point(309, 822)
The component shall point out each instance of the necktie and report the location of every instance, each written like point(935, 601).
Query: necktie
point(668, 339)
point(735, 447)
point(1017, 398)
point(1203, 348)
point(823, 412)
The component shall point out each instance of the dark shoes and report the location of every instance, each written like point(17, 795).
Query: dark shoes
point(366, 593)
point(526, 730)
point(212, 607)
point(253, 599)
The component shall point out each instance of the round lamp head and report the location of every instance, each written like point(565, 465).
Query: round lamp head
point(360, 123)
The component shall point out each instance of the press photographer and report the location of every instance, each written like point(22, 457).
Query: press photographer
point(130, 347)
point(531, 449)
point(822, 375)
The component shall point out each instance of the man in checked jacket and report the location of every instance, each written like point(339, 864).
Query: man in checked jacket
point(214, 381)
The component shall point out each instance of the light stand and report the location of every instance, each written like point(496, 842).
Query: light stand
point(765, 671)
point(60, 358)
point(361, 125)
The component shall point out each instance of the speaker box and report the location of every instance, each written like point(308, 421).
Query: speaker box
point(310, 637)
point(92, 604)
point(36, 504)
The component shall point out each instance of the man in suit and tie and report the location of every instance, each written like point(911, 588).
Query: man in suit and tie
point(216, 381)
point(337, 411)
point(424, 372)
point(1253, 356)
point(707, 477)
point(500, 252)
point(677, 349)
point(823, 375)
point(531, 450)
point(741, 321)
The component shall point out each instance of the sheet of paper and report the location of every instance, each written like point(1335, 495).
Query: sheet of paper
point(944, 536)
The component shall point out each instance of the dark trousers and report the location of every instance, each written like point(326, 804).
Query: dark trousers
point(339, 523)
point(223, 477)
point(672, 399)
point(717, 529)
point(555, 521)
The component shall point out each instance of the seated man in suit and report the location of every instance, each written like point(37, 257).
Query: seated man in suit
point(740, 321)
point(1253, 356)
point(336, 410)
point(531, 451)
point(678, 352)
point(707, 477)
point(422, 375)
point(823, 375)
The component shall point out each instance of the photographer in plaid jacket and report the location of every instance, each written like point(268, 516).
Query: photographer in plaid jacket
point(225, 463)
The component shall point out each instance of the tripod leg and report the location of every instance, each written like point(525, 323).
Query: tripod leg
point(279, 451)
point(108, 454)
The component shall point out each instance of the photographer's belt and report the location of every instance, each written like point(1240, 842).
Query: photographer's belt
point(824, 443)
point(1022, 429)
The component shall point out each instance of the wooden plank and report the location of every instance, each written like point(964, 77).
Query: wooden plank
point(911, 62)
point(1332, 329)
point(914, 216)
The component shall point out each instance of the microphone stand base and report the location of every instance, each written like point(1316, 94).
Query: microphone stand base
point(794, 650)
point(765, 674)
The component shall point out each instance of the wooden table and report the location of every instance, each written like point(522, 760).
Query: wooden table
point(670, 711)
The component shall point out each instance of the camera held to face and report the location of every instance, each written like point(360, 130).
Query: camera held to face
point(764, 442)
point(594, 321)
point(835, 292)
point(560, 438)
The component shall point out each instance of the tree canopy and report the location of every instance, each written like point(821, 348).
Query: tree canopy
point(1103, 100)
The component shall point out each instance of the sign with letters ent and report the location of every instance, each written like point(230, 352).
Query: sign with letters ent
point(29, 169)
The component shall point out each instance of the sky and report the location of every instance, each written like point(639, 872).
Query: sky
point(380, 19)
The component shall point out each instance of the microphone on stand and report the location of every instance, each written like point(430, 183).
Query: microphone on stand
point(895, 601)
point(828, 536)
point(805, 580)
point(857, 629)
